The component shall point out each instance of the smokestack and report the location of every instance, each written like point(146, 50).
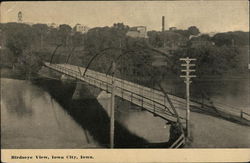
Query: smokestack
point(163, 23)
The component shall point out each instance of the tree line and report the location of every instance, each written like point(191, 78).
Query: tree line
point(133, 56)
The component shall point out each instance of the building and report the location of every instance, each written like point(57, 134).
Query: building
point(194, 36)
point(172, 28)
point(81, 28)
point(137, 32)
point(29, 23)
point(211, 34)
point(200, 40)
point(53, 25)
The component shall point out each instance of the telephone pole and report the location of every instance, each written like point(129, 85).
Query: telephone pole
point(188, 81)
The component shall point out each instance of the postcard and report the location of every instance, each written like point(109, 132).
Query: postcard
point(125, 81)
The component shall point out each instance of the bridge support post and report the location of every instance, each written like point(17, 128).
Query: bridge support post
point(112, 111)
point(188, 108)
point(112, 116)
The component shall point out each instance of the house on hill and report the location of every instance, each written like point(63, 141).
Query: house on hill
point(172, 28)
point(200, 40)
point(53, 25)
point(80, 28)
point(137, 32)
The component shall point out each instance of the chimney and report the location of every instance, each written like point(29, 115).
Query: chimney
point(163, 23)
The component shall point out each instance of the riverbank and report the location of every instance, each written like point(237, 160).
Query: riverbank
point(10, 73)
point(7, 72)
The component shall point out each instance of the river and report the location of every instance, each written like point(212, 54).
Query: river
point(36, 115)
point(31, 118)
point(233, 93)
point(33, 114)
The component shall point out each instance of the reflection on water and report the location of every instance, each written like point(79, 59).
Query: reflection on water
point(30, 118)
point(19, 102)
point(234, 93)
point(136, 120)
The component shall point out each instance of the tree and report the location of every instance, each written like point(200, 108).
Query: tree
point(211, 60)
point(40, 30)
point(29, 63)
point(193, 30)
point(184, 33)
point(77, 39)
point(64, 33)
point(19, 38)
point(238, 38)
point(120, 26)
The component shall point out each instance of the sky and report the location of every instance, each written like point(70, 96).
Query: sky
point(208, 16)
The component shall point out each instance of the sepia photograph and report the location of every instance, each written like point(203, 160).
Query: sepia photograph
point(124, 75)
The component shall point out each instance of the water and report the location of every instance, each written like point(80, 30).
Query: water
point(234, 94)
point(41, 115)
point(136, 120)
point(31, 118)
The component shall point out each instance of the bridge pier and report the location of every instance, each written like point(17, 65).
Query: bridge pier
point(85, 91)
point(104, 99)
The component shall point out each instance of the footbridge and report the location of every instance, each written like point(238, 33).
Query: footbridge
point(150, 99)
point(166, 106)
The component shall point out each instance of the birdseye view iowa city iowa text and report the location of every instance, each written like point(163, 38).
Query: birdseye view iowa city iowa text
point(125, 74)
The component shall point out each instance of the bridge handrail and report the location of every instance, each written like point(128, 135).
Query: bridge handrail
point(140, 99)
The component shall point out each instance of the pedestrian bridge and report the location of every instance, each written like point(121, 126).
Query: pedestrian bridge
point(166, 106)
point(152, 100)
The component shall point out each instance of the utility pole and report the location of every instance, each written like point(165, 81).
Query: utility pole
point(187, 77)
point(112, 109)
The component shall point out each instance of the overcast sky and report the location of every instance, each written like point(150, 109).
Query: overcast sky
point(208, 16)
